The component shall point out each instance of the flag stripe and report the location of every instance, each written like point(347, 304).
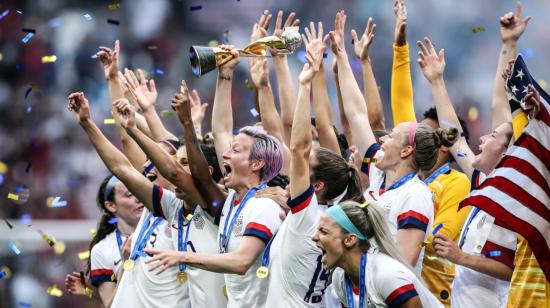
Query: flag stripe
point(534, 146)
point(526, 167)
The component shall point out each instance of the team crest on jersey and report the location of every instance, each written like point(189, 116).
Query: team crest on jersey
point(238, 229)
point(198, 220)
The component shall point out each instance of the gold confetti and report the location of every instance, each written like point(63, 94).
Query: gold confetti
point(59, 247)
point(1, 56)
point(84, 255)
point(478, 30)
point(109, 121)
point(3, 167)
point(114, 6)
point(13, 196)
point(152, 47)
point(49, 59)
point(213, 43)
point(189, 217)
point(47, 239)
point(54, 291)
point(248, 85)
point(93, 231)
point(542, 83)
point(473, 113)
point(6, 270)
point(89, 292)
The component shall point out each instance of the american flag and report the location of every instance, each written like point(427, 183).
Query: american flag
point(517, 192)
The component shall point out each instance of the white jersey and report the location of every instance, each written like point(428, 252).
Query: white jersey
point(142, 288)
point(407, 206)
point(479, 237)
point(388, 283)
point(259, 218)
point(105, 260)
point(296, 276)
point(205, 288)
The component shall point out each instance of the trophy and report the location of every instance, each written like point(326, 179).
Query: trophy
point(204, 59)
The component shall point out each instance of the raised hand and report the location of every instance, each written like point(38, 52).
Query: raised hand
point(362, 45)
point(78, 103)
point(125, 113)
point(431, 62)
point(314, 40)
point(229, 66)
point(181, 102)
point(337, 36)
point(532, 101)
point(198, 109)
point(259, 71)
point(109, 59)
point(163, 259)
point(259, 29)
point(280, 28)
point(144, 92)
point(311, 67)
point(512, 26)
point(400, 12)
point(74, 285)
point(447, 248)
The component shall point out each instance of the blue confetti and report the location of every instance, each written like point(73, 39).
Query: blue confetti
point(88, 17)
point(20, 189)
point(25, 304)
point(196, 8)
point(157, 72)
point(436, 229)
point(215, 203)
point(12, 246)
point(1, 179)
point(27, 37)
point(57, 202)
point(55, 22)
point(461, 154)
point(325, 55)
point(254, 112)
point(94, 56)
point(26, 218)
point(29, 109)
point(492, 254)
point(4, 14)
point(113, 221)
point(3, 274)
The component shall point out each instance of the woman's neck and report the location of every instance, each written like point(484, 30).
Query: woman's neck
point(396, 173)
point(350, 264)
point(245, 187)
point(125, 228)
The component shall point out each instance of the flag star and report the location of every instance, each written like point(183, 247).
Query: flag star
point(514, 89)
point(520, 74)
point(524, 89)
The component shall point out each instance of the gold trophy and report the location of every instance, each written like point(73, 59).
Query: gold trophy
point(204, 59)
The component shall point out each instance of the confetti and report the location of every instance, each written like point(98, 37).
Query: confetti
point(248, 85)
point(461, 154)
point(6, 270)
point(8, 223)
point(29, 109)
point(28, 168)
point(189, 217)
point(113, 221)
point(12, 246)
point(56, 202)
point(109, 121)
point(113, 22)
point(88, 17)
point(473, 113)
point(492, 254)
point(26, 218)
point(55, 22)
point(436, 229)
point(478, 30)
point(1, 179)
point(3, 167)
point(215, 203)
point(157, 72)
point(29, 30)
point(325, 55)
point(93, 231)
point(152, 47)
point(543, 84)
point(59, 248)
point(54, 291)
point(196, 8)
point(27, 37)
point(46, 238)
point(94, 56)
point(13, 196)
point(25, 304)
point(49, 59)
point(254, 112)
point(3, 274)
point(113, 6)
point(4, 14)
point(84, 255)
point(167, 113)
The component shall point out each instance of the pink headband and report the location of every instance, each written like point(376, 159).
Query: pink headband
point(412, 132)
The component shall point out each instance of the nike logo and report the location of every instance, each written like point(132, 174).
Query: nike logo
point(117, 262)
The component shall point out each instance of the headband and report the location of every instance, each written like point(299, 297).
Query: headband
point(412, 132)
point(109, 187)
point(337, 213)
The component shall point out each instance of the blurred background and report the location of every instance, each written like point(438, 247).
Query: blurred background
point(44, 154)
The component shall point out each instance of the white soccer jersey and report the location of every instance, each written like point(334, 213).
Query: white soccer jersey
point(105, 260)
point(407, 206)
point(259, 218)
point(388, 283)
point(297, 277)
point(142, 288)
point(480, 236)
point(205, 288)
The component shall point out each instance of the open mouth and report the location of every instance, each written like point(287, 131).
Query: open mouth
point(228, 170)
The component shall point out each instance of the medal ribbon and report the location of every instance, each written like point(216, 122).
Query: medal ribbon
point(443, 169)
point(119, 242)
point(182, 244)
point(144, 234)
point(349, 289)
point(473, 214)
point(225, 236)
point(265, 257)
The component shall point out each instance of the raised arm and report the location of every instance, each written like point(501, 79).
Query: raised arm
point(146, 97)
point(114, 160)
point(512, 27)
point(222, 113)
point(172, 170)
point(371, 93)
point(354, 103)
point(109, 60)
point(433, 66)
point(259, 72)
point(343, 119)
point(315, 43)
point(213, 196)
point(401, 84)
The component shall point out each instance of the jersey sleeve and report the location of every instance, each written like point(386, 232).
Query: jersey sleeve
point(371, 155)
point(395, 285)
point(264, 221)
point(305, 212)
point(165, 203)
point(401, 86)
point(101, 267)
point(415, 211)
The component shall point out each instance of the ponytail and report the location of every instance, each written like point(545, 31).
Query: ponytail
point(427, 142)
point(354, 190)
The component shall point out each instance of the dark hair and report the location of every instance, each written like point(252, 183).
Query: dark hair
point(427, 142)
point(432, 115)
point(337, 175)
point(279, 180)
point(104, 228)
point(209, 153)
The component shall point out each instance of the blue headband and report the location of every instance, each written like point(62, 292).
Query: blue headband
point(109, 187)
point(337, 213)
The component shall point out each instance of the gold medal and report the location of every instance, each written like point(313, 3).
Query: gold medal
point(182, 277)
point(224, 291)
point(262, 272)
point(129, 265)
